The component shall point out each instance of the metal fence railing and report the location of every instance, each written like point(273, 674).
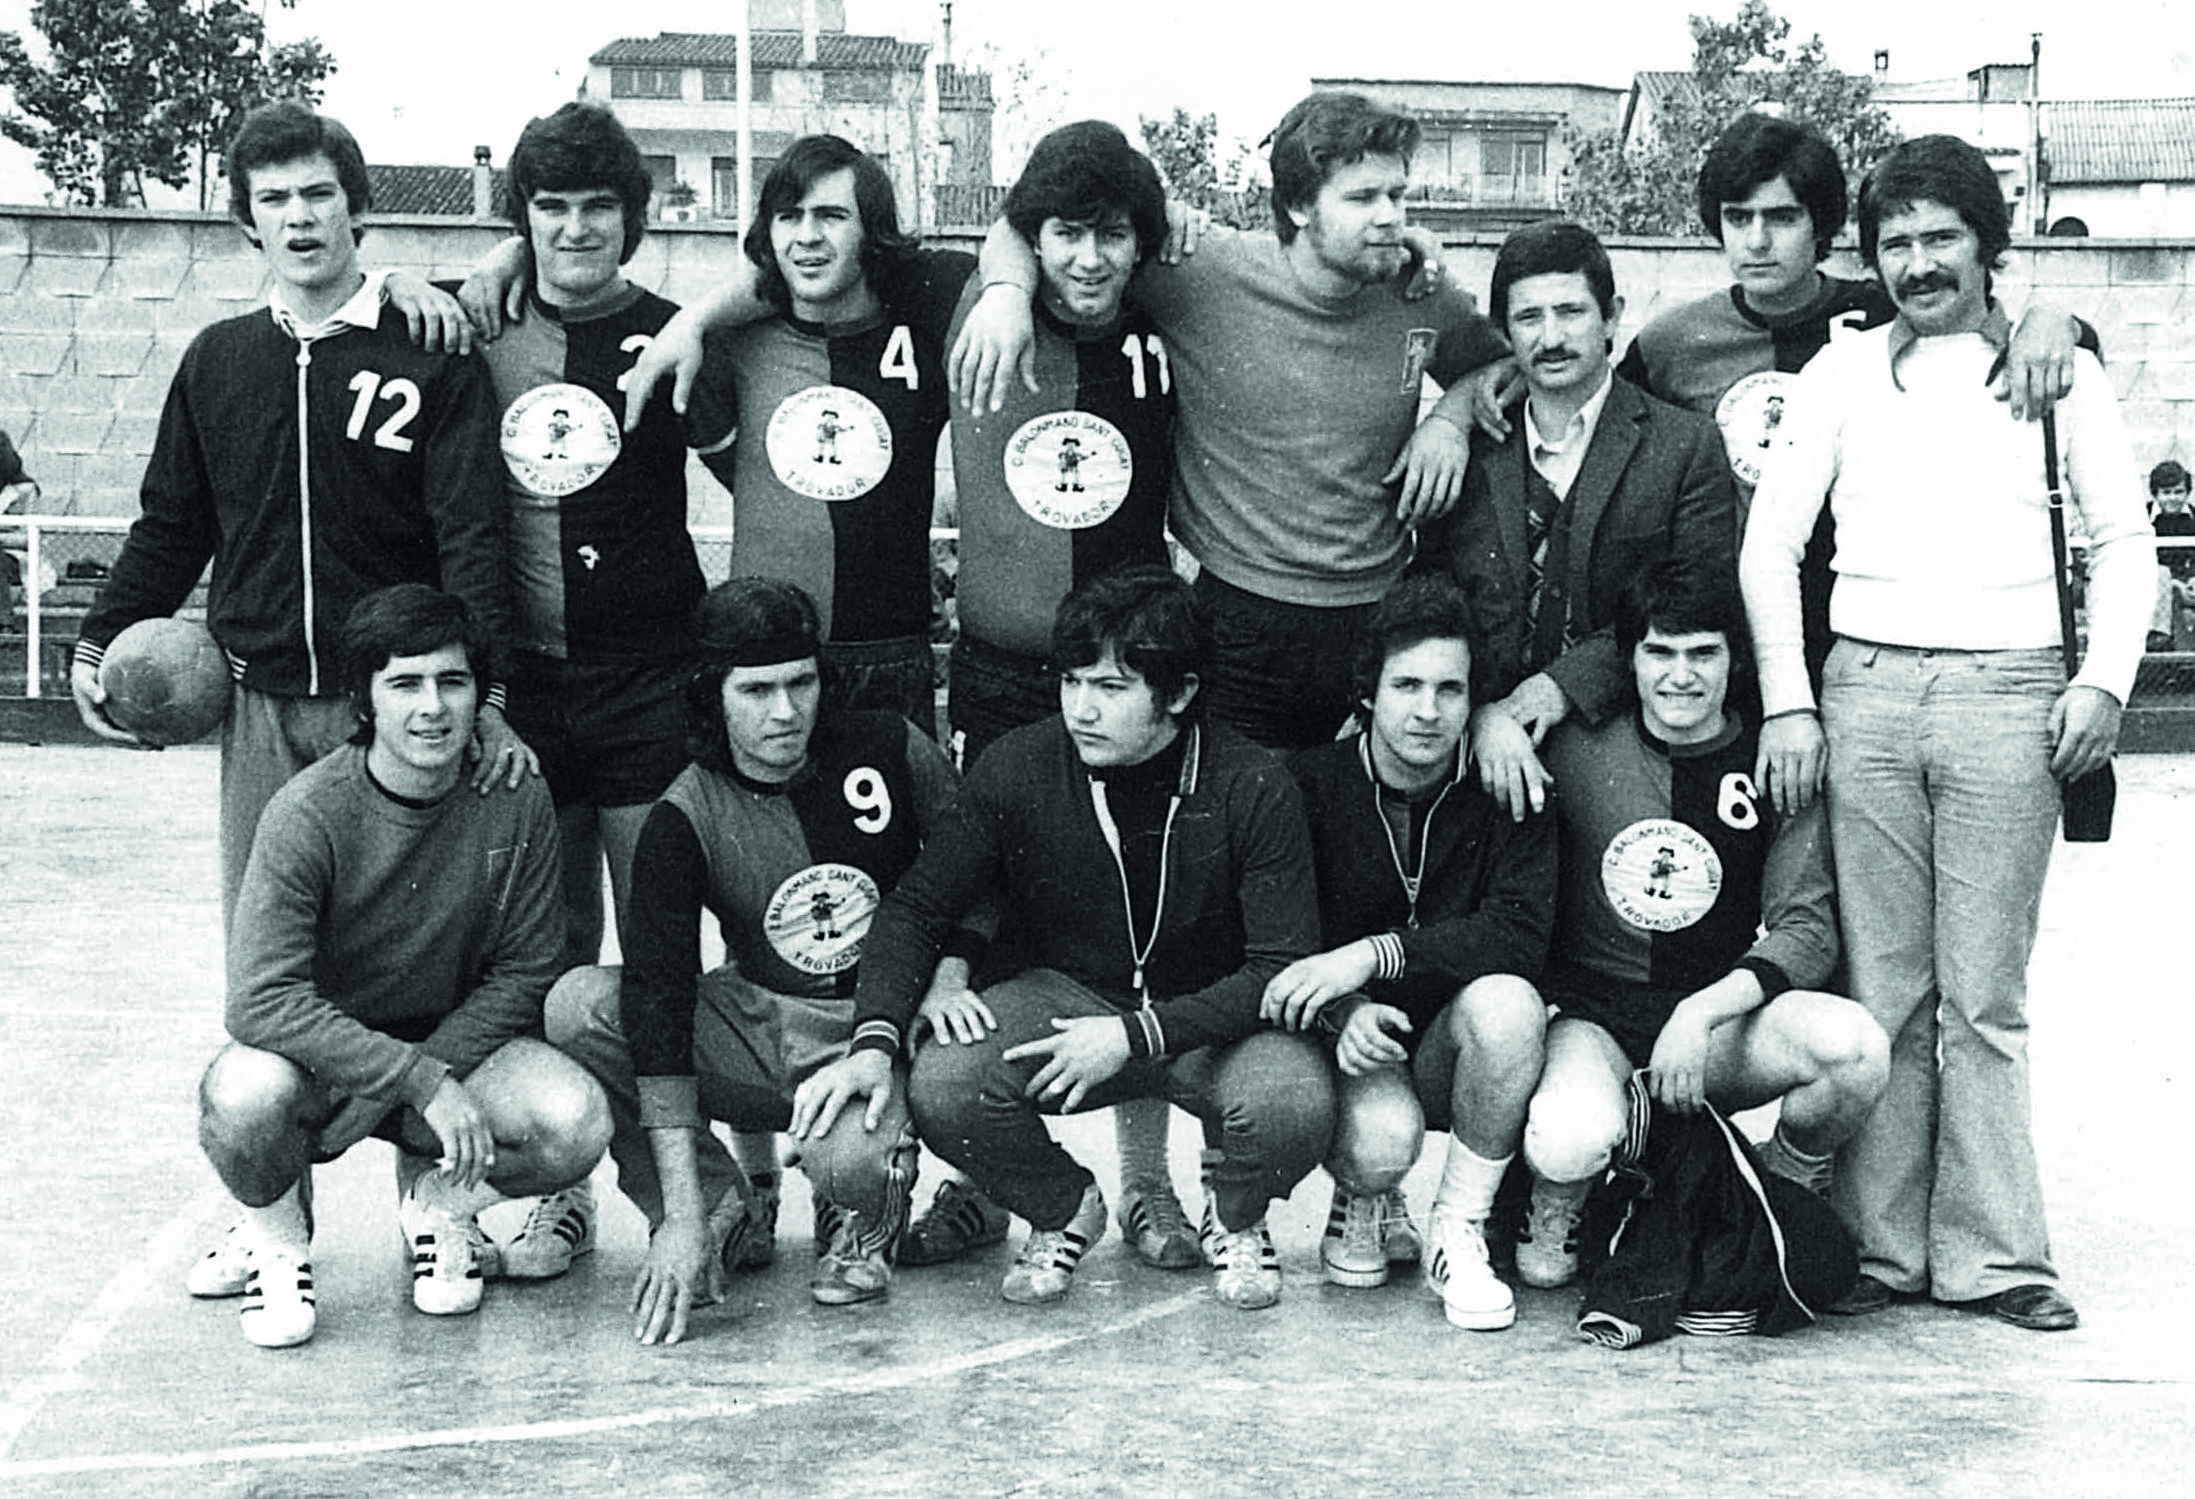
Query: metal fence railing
point(59, 563)
point(53, 566)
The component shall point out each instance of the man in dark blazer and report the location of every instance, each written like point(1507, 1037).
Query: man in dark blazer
point(1595, 482)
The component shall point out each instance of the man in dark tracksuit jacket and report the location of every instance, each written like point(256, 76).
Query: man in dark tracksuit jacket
point(1436, 906)
point(1154, 873)
point(313, 455)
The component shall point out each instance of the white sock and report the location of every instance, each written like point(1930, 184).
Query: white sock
point(1468, 1182)
point(281, 1221)
point(1141, 1129)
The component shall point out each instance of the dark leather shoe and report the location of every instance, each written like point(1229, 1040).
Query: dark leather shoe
point(2036, 1308)
point(1867, 1296)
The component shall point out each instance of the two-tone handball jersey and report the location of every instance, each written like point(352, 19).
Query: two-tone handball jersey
point(1719, 357)
point(1672, 860)
point(601, 561)
point(835, 472)
point(793, 873)
point(1064, 483)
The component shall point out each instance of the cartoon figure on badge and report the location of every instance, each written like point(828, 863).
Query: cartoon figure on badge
point(1070, 464)
point(1751, 416)
point(828, 443)
point(1069, 469)
point(816, 920)
point(1660, 875)
point(558, 439)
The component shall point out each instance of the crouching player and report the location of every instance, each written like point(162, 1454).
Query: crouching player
point(1693, 923)
point(788, 826)
point(391, 946)
point(1153, 874)
point(1437, 907)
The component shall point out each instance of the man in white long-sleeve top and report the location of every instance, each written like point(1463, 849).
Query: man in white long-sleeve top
point(1947, 718)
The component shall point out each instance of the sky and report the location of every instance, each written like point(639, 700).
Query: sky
point(427, 80)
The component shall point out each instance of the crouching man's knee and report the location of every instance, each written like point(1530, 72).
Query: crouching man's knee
point(550, 1117)
point(250, 1121)
point(1570, 1134)
point(1378, 1131)
point(584, 1001)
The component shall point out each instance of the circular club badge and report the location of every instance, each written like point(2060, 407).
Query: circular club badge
point(829, 443)
point(1660, 875)
point(1069, 470)
point(1751, 414)
point(559, 438)
point(815, 921)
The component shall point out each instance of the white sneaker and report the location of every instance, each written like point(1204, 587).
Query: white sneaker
point(1459, 1273)
point(1045, 1268)
point(1246, 1267)
point(1547, 1249)
point(559, 1230)
point(223, 1270)
point(1353, 1251)
point(447, 1248)
point(278, 1309)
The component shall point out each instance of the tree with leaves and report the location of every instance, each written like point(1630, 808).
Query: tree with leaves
point(1187, 152)
point(132, 90)
point(1648, 186)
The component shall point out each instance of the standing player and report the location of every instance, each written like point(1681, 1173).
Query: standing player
point(1300, 366)
point(789, 824)
point(312, 454)
point(1772, 193)
point(390, 949)
point(1695, 926)
point(604, 567)
point(1091, 208)
point(1436, 906)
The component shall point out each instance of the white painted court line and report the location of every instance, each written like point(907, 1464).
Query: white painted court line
point(876, 1382)
point(164, 1254)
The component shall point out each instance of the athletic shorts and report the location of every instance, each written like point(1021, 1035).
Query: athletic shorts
point(609, 734)
point(1633, 1015)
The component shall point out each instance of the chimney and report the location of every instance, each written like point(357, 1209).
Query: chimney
point(945, 48)
point(483, 185)
point(808, 33)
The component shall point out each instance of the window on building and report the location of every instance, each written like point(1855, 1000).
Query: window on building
point(724, 183)
point(644, 83)
point(1434, 169)
point(1513, 168)
point(721, 85)
point(857, 88)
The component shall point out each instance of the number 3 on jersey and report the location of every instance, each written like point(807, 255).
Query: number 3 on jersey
point(400, 392)
point(870, 798)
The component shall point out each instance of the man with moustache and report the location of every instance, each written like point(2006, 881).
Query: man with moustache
point(1300, 462)
point(1594, 483)
point(1946, 718)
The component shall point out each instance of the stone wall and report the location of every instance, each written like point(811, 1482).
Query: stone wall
point(96, 308)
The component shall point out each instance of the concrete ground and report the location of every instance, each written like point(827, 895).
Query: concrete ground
point(113, 1382)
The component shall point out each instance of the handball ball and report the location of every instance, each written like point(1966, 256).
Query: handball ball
point(166, 680)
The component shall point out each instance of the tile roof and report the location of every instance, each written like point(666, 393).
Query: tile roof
point(2121, 140)
point(772, 49)
point(444, 190)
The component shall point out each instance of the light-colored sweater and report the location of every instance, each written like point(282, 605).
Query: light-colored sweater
point(1943, 526)
point(1293, 408)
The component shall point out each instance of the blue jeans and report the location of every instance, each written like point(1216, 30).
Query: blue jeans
point(1943, 810)
point(1267, 1102)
